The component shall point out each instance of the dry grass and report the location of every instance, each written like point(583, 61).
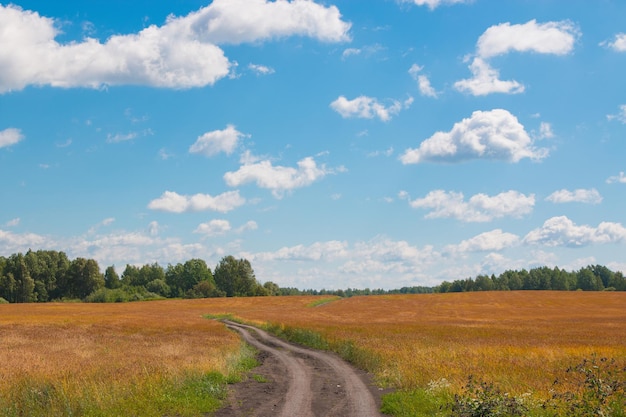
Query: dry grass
point(519, 340)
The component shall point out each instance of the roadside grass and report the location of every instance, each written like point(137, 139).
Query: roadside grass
point(322, 301)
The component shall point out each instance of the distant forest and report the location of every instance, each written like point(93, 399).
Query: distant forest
point(47, 275)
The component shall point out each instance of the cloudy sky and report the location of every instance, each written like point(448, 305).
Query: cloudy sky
point(334, 144)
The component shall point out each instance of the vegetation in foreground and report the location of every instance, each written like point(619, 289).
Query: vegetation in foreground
point(514, 344)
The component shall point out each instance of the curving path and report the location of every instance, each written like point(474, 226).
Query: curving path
point(300, 383)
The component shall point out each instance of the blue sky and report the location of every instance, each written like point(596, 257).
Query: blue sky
point(334, 144)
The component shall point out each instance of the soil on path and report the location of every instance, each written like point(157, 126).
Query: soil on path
point(293, 381)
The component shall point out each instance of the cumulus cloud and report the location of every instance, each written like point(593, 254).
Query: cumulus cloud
point(495, 134)
point(495, 240)
point(621, 178)
point(278, 179)
point(432, 4)
point(10, 136)
point(13, 222)
point(561, 231)
point(618, 44)
point(554, 38)
point(173, 202)
point(182, 53)
point(580, 195)
point(330, 251)
point(367, 107)
point(479, 208)
point(217, 141)
point(213, 228)
point(21, 242)
point(486, 80)
point(423, 83)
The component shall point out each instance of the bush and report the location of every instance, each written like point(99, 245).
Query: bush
point(482, 399)
point(3, 301)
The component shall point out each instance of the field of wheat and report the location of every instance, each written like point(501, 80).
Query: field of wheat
point(521, 341)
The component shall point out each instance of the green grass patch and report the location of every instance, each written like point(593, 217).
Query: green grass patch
point(322, 301)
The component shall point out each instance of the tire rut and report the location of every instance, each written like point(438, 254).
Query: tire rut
point(302, 383)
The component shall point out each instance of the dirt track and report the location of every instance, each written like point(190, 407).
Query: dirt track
point(297, 382)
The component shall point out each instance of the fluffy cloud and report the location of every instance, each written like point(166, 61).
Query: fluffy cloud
point(618, 44)
point(213, 228)
point(175, 203)
point(561, 231)
point(432, 4)
point(486, 80)
point(580, 195)
point(621, 178)
point(21, 242)
point(278, 179)
point(182, 53)
point(367, 107)
point(495, 240)
point(217, 141)
point(423, 83)
point(10, 136)
point(555, 38)
point(479, 208)
point(330, 251)
point(495, 134)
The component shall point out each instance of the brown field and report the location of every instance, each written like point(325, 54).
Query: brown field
point(520, 340)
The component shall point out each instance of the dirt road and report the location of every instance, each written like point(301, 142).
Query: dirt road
point(297, 382)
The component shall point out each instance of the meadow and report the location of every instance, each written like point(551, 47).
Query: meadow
point(99, 353)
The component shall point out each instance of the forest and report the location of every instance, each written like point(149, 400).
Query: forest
point(48, 275)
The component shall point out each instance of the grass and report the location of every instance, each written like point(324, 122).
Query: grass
point(97, 359)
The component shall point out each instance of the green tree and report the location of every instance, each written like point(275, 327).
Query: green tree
point(236, 278)
point(130, 276)
point(183, 277)
point(587, 281)
point(84, 278)
point(111, 278)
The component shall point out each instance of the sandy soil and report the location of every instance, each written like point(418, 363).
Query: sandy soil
point(293, 381)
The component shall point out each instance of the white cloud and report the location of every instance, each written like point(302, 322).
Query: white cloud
point(545, 131)
point(217, 141)
point(261, 69)
point(486, 80)
point(154, 228)
point(105, 222)
point(618, 44)
point(213, 228)
point(479, 208)
point(239, 21)
point(621, 178)
point(495, 240)
point(249, 225)
point(366, 51)
point(621, 116)
point(350, 52)
point(432, 4)
point(278, 179)
point(121, 137)
point(10, 136)
point(555, 38)
point(183, 53)
point(21, 242)
point(561, 231)
point(580, 195)
point(423, 83)
point(13, 222)
point(330, 251)
point(495, 134)
point(175, 203)
point(367, 107)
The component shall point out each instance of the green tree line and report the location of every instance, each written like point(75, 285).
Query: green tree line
point(589, 278)
point(47, 275)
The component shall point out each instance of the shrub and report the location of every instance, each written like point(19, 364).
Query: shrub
point(482, 399)
point(3, 301)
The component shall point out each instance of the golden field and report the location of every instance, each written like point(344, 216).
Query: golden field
point(519, 340)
